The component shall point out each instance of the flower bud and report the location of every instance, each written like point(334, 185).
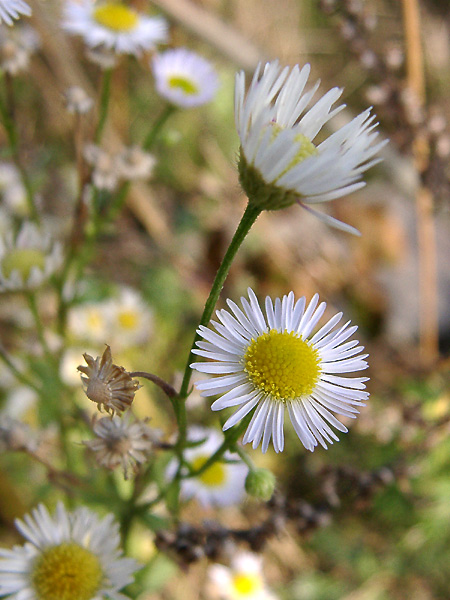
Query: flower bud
point(260, 483)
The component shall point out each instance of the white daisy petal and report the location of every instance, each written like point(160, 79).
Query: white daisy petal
point(282, 364)
point(279, 163)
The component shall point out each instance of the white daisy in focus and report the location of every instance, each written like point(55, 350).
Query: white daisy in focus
point(58, 551)
point(273, 362)
point(114, 25)
point(184, 78)
point(222, 484)
point(12, 9)
point(130, 319)
point(279, 164)
point(27, 259)
point(243, 580)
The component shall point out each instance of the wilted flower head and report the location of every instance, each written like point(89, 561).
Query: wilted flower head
point(184, 78)
point(243, 580)
point(110, 386)
point(273, 362)
point(279, 162)
point(121, 441)
point(114, 25)
point(77, 101)
point(12, 9)
point(70, 555)
point(27, 259)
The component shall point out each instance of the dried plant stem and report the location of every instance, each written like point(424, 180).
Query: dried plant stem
point(428, 297)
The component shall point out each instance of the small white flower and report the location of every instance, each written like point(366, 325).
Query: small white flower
point(77, 101)
point(243, 580)
point(72, 555)
point(90, 322)
point(12, 190)
point(17, 44)
point(12, 9)
point(279, 163)
point(121, 441)
point(133, 163)
point(104, 168)
point(114, 25)
point(28, 259)
point(272, 362)
point(184, 78)
point(130, 319)
point(223, 484)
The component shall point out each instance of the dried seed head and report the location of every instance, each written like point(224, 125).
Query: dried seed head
point(109, 385)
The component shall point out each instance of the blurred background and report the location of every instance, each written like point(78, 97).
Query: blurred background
point(369, 518)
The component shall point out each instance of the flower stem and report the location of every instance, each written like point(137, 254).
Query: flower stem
point(249, 217)
point(104, 104)
point(154, 132)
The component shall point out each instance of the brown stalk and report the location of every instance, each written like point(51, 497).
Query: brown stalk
point(428, 297)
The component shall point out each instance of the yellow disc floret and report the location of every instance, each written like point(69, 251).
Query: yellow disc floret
point(22, 260)
point(67, 572)
point(214, 476)
point(246, 584)
point(128, 319)
point(282, 364)
point(187, 86)
point(116, 16)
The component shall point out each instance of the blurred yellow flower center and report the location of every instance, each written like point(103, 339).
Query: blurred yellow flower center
point(128, 319)
point(66, 572)
point(182, 83)
point(116, 16)
point(212, 477)
point(246, 584)
point(282, 365)
point(95, 320)
point(23, 260)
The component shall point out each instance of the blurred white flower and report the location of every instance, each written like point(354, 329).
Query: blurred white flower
point(17, 44)
point(222, 484)
point(243, 580)
point(77, 101)
point(104, 168)
point(130, 319)
point(133, 163)
point(27, 259)
point(68, 555)
point(184, 78)
point(114, 25)
point(90, 322)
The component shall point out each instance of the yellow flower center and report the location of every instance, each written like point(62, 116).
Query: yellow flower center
point(95, 320)
point(246, 584)
point(128, 319)
point(23, 260)
point(282, 365)
point(116, 16)
point(67, 572)
point(306, 149)
point(184, 84)
point(214, 476)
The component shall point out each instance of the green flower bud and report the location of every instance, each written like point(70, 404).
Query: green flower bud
point(260, 483)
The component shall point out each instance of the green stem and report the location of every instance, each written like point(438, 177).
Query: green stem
point(31, 297)
point(249, 217)
point(15, 371)
point(6, 115)
point(154, 132)
point(104, 104)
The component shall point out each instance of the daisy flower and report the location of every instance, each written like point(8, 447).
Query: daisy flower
point(184, 78)
point(28, 259)
point(114, 25)
point(243, 580)
point(220, 485)
point(61, 548)
point(273, 362)
point(12, 9)
point(279, 162)
point(130, 319)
